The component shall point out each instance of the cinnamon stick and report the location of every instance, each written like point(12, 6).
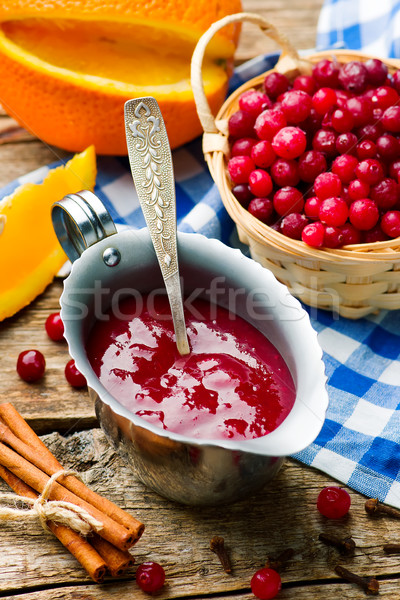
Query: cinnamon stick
point(91, 560)
point(24, 440)
point(118, 561)
point(112, 531)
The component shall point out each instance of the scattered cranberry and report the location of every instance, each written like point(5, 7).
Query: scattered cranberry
point(333, 502)
point(31, 365)
point(54, 327)
point(73, 376)
point(150, 576)
point(266, 583)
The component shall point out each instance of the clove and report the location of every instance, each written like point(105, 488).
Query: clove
point(391, 548)
point(279, 563)
point(346, 546)
point(370, 585)
point(217, 545)
point(374, 507)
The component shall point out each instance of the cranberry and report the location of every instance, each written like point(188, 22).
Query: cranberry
point(287, 200)
point(324, 141)
point(54, 327)
point(285, 172)
point(370, 131)
point(369, 170)
point(266, 583)
point(396, 80)
point(333, 237)
point(260, 183)
point(289, 142)
point(254, 102)
point(262, 209)
point(323, 100)
point(239, 168)
point(353, 76)
point(312, 123)
point(305, 83)
point(391, 119)
point(377, 71)
point(242, 193)
point(150, 576)
point(268, 123)
point(361, 110)
point(366, 149)
point(243, 147)
point(342, 120)
point(346, 143)
point(390, 223)
point(388, 147)
point(341, 98)
point(333, 211)
point(263, 154)
point(374, 235)
point(350, 234)
point(31, 365)
point(296, 106)
point(311, 207)
point(363, 214)
point(327, 185)
point(313, 234)
point(276, 84)
point(358, 189)
point(344, 166)
point(385, 193)
point(73, 376)
point(384, 97)
point(311, 164)
point(326, 73)
point(241, 124)
point(293, 224)
point(333, 502)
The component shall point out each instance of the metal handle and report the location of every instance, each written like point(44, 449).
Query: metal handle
point(80, 220)
point(152, 171)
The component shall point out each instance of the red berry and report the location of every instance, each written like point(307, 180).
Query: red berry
point(263, 154)
point(296, 106)
point(289, 142)
point(385, 193)
point(260, 183)
point(323, 100)
point(384, 97)
point(353, 76)
point(305, 83)
point(293, 224)
point(276, 84)
point(358, 189)
point(287, 200)
point(311, 207)
point(391, 119)
point(285, 172)
point(333, 237)
point(73, 376)
point(313, 234)
point(370, 171)
point(326, 73)
point(370, 131)
point(333, 211)
point(262, 209)
point(361, 109)
point(254, 102)
point(239, 168)
point(363, 214)
point(150, 576)
point(327, 185)
point(333, 502)
point(346, 143)
point(242, 193)
point(31, 365)
point(351, 235)
point(388, 147)
point(243, 147)
point(374, 235)
point(366, 149)
point(268, 123)
point(390, 223)
point(324, 141)
point(266, 583)
point(241, 124)
point(54, 327)
point(342, 120)
point(311, 164)
point(377, 71)
point(344, 166)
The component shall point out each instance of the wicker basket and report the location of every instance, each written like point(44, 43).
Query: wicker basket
point(354, 280)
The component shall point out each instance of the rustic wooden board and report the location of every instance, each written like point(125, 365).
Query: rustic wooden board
point(178, 536)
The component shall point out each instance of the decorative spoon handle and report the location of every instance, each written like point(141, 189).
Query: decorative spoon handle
point(152, 171)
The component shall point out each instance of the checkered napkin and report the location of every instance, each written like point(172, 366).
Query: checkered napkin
point(359, 443)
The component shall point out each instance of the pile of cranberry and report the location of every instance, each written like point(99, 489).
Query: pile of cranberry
point(318, 159)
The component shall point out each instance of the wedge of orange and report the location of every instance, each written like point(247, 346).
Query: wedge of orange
point(68, 66)
point(30, 254)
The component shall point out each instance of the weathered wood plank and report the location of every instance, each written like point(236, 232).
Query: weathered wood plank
point(178, 536)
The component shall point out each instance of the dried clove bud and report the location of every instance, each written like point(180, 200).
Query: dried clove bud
point(346, 546)
point(217, 545)
point(279, 563)
point(374, 507)
point(369, 584)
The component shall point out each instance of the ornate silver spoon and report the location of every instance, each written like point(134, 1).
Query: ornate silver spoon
point(152, 171)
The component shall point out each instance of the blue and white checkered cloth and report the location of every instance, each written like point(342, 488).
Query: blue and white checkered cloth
point(359, 444)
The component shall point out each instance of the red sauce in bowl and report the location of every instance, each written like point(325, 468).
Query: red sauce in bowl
point(233, 384)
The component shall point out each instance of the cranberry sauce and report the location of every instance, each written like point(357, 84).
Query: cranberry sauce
point(233, 384)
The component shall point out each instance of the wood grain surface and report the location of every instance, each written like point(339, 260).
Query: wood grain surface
point(34, 565)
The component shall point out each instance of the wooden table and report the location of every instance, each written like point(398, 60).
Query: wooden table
point(35, 566)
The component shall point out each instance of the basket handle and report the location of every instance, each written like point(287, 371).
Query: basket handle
point(289, 60)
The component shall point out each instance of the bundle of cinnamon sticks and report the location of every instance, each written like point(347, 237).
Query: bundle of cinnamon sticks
point(26, 464)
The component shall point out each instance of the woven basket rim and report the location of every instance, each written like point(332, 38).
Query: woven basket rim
point(386, 251)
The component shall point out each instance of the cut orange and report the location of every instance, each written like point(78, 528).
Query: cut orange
point(30, 254)
point(67, 67)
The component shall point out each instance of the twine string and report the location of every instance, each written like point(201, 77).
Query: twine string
point(43, 509)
